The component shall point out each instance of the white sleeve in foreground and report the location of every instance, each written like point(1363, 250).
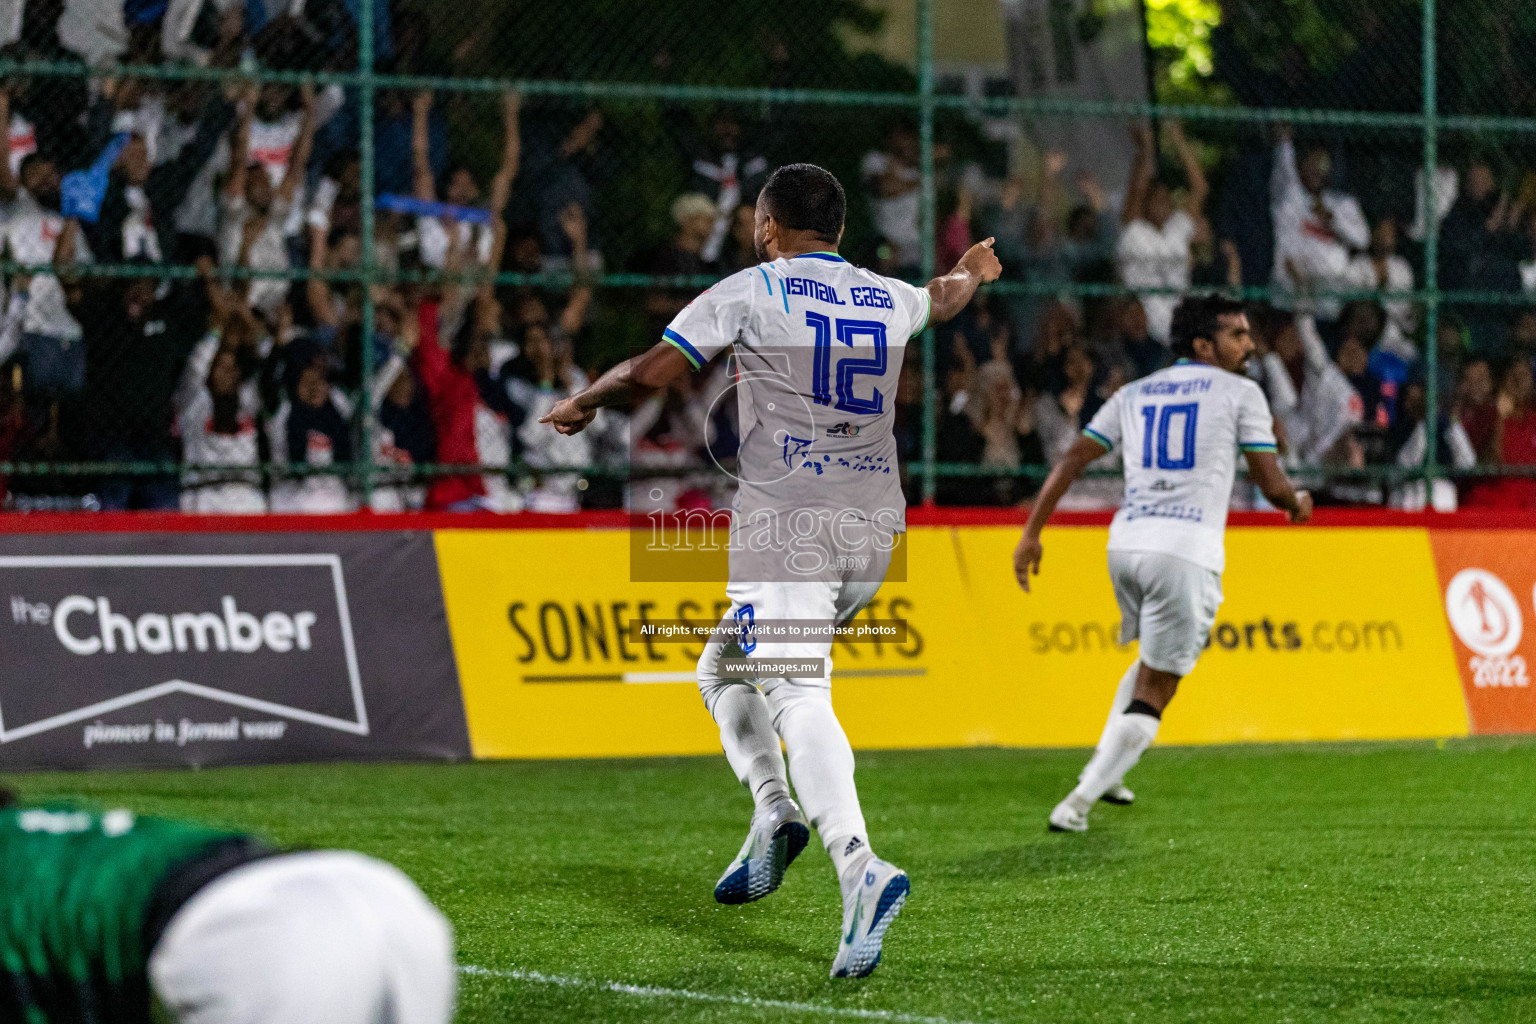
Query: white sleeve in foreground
point(714, 321)
point(1255, 423)
point(1105, 426)
point(915, 303)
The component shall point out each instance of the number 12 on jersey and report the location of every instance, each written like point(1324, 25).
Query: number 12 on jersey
point(1159, 420)
point(847, 369)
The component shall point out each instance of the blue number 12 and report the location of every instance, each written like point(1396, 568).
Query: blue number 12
point(847, 369)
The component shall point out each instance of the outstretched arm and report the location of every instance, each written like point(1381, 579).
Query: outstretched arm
point(949, 294)
point(1264, 470)
point(240, 150)
point(298, 162)
point(1199, 188)
point(1026, 557)
point(634, 378)
point(421, 147)
point(511, 152)
point(1143, 169)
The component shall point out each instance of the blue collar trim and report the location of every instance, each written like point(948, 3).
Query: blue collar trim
point(830, 257)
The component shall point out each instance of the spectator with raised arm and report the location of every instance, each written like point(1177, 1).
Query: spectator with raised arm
point(49, 342)
point(439, 233)
point(1312, 399)
point(728, 172)
point(47, 114)
point(1317, 229)
point(276, 124)
point(1156, 236)
point(253, 235)
point(137, 340)
point(311, 431)
point(1481, 249)
point(332, 312)
point(138, 212)
point(470, 419)
point(217, 404)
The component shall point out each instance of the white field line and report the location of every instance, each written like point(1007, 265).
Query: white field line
point(654, 992)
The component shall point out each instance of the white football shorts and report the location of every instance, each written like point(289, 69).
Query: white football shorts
point(832, 594)
point(1168, 603)
point(328, 937)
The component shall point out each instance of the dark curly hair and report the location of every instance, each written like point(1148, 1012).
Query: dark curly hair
point(1199, 316)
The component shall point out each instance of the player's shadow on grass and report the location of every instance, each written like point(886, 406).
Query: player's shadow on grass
point(684, 904)
point(1045, 857)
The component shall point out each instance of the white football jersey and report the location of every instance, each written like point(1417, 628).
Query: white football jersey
point(818, 346)
point(1179, 431)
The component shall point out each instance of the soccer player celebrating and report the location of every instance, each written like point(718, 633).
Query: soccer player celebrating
point(818, 345)
point(116, 919)
point(1179, 431)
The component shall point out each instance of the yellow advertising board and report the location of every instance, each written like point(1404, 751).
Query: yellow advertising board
point(1324, 634)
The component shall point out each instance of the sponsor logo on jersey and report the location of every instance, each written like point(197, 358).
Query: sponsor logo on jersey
point(794, 447)
point(844, 429)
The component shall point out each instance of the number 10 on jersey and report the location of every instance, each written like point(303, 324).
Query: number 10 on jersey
point(1159, 421)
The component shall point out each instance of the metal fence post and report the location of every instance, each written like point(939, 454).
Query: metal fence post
point(364, 456)
point(926, 224)
point(1431, 259)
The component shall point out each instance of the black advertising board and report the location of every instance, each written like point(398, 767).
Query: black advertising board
point(121, 650)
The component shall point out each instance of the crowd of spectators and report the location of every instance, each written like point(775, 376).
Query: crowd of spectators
point(240, 389)
point(1340, 342)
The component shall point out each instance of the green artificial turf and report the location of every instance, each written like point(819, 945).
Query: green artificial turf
point(1307, 883)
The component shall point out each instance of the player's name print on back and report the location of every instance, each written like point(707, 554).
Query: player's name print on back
point(817, 348)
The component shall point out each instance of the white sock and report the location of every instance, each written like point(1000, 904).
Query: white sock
point(751, 745)
point(1122, 700)
point(821, 765)
point(1127, 738)
point(848, 853)
point(1117, 707)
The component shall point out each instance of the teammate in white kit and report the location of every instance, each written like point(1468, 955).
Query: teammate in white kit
point(818, 345)
point(1179, 431)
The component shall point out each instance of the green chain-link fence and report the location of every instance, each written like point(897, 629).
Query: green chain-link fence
point(323, 254)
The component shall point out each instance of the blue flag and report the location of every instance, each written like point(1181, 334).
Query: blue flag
point(81, 192)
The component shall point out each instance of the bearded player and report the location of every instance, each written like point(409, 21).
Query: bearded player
point(1179, 432)
point(818, 345)
point(117, 919)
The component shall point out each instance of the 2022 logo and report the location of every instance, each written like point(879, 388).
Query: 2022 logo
point(1486, 616)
